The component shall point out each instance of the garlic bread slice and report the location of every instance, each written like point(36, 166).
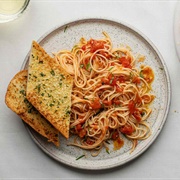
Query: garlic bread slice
point(16, 100)
point(49, 88)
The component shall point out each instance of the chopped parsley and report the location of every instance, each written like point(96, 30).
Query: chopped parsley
point(88, 66)
point(65, 29)
point(107, 150)
point(62, 76)
point(80, 157)
point(42, 74)
point(141, 74)
point(23, 92)
point(68, 112)
point(111, 80)
point(26, 101)
point(110, 68)
point(29, 106)
point(30, 110)
point(51, 105)
point(52, 72)
point(38, 87)
point(49, 95)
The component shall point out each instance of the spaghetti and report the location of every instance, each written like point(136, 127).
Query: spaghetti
point(110, 95)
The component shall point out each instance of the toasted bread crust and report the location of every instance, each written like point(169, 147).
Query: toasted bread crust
point(16, 100)
point(49, 89)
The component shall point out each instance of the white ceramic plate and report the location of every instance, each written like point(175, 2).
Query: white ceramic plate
point(64, 37)
point(177, 28)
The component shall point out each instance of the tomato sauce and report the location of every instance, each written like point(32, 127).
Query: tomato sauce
point(118, 143)
point(148, 74)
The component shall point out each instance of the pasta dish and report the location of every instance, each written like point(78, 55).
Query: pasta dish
point(110, 95)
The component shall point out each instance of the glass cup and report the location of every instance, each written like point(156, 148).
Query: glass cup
point(12, 9)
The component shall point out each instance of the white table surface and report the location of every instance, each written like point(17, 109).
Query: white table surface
point(19, 155)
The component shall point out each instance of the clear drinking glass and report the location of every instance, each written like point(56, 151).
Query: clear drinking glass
point(12, 9)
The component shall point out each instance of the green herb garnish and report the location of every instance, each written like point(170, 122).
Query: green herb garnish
point(80, 157)
point(110, 68)
point(88, 66)
point(51, 105)
point(23, 92)
point(62, 76)
point(107, 150)
point(30, 110)
point(65, 28)
point(38, 87)
point(26, 101)
point(42, 74)
point(68, 112)
point(52, 72)
point(141, 74)
point(111, 80)
point(49, 95)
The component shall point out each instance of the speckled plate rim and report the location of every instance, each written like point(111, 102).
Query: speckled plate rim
point(168, 100)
